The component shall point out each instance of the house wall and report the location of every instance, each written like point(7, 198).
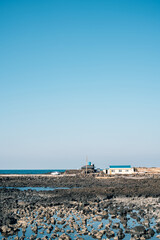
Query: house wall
point(113, 171)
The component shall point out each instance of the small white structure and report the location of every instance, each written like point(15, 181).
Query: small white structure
point(120, 169)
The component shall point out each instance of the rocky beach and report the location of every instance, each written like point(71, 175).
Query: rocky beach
point(79, 207)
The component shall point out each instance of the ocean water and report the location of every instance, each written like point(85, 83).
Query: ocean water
point(30, 171)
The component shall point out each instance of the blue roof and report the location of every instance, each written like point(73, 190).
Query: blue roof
point(120, 166)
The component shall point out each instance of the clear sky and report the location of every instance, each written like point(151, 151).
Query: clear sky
point(79, 78)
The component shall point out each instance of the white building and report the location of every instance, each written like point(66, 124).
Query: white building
point(120, 169)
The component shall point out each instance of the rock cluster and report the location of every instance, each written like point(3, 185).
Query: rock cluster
point(92, 212)
point(100, 219)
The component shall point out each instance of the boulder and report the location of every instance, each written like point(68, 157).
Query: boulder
point(149, 233)
point(110, 234)
point(7, 230)
point(157, 227)
point(138, 230)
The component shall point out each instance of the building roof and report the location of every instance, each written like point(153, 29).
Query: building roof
point(120, 166)
point(88, 167)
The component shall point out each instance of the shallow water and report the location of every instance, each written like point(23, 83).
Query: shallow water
point(35, 188)
point(92, 225)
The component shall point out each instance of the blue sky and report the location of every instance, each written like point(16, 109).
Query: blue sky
point(79, 78)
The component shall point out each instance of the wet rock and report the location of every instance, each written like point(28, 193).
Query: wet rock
point(11, 220)
point(54, 235)
point(110, 234)
point(97, 218)
point(22, 238)
point(16, 238)
point(120, 234)
point(61, 222)
point(53, 221)
point(100, 226)
point(157, 227)
point(35, 228)
point(65, 237)
point(49, 229)
point(123, 220)
point(113, 213)
point(146, 223)
point(7, 230)
point(138, 230)
point(127, 230)
point(116, 238)
point(116, 225)
point(45, 238)
point(32, 237)
point(149, 233)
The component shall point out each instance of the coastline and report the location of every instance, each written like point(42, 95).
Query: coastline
point(115, 208)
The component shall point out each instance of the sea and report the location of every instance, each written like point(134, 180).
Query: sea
point(30, 171)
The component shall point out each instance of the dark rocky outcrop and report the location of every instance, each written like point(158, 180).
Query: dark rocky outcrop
point(101, 200)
